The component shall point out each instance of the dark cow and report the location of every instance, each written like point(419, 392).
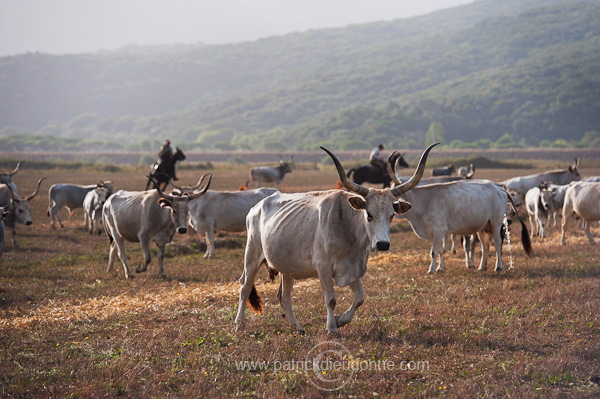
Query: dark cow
point(444, 171)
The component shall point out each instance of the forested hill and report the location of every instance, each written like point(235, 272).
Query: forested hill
point(511, 72)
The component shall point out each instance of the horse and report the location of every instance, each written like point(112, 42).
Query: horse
point(164, 171)
point(372, 174)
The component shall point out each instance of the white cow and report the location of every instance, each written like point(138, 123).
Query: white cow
point(70, 196)
point(538, 202)
point(557, 199)
point(269, 174)
point(324, 234)
point(223, 211)
point(520, 185)
point(144, 217)
point(464, 208)
point(92, 209)
point(582, 200)
point(19, 208)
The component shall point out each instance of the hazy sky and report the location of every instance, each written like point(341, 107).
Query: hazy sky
point(76, 26)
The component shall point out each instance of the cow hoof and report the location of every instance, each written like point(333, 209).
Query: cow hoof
point(470, 266)
point(131, 276)
point(140, 270)
point(164, 277)
point(430, 271)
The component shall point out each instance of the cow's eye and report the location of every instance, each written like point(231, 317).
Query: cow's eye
point(369, 217)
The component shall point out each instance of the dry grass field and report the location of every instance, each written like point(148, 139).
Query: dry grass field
point(70, 330)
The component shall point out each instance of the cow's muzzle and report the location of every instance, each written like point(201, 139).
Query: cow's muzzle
point(182, 230)
point(28, 223)
point(383, 245)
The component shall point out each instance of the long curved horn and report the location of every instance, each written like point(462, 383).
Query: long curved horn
point(350, 186)
point(200, 181)
point(16, 169)
point(416, 177)
point(36, 189)
point(205, 189)
point(391, 171)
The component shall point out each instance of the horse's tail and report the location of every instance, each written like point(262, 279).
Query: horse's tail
point(350, 172)
point(255, 302)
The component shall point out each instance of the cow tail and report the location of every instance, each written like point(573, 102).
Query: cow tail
point(107, 231)
point(255, 302)
point(525, 240)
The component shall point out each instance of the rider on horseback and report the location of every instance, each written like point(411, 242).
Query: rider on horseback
point(377, 159)
point(165, 153)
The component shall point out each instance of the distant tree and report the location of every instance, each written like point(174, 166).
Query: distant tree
point(435, 134)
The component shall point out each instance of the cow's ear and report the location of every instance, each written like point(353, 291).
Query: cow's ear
point(357, 202)
point(402, 206)
point(164, 203)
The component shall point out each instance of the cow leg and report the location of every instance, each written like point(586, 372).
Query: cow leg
point(253, 258)
point(359, 298)
point(533, 224)
point(541, 224)
point(330, 299)
point(112, 252)
point(437, 250)
point(485, 250)
point(287, 283)
point(567, 214)
point(210, 240)
point(160, 255)
point(587, 232)
point(469, 246)
point(454, 248)
point(145, 244)
point(53, 213)
point(118, 242)
point(13, 229)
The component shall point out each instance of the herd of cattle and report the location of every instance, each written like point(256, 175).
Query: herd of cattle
point(326, 234)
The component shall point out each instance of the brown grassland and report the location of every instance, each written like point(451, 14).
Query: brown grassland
point(70, 330)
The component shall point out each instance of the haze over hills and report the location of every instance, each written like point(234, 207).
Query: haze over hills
point(510, 72)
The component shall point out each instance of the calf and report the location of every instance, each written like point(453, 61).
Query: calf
point(554, 202)
point(92, 209)
point(144, 217)
point(537, 204)
point(582, 200)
